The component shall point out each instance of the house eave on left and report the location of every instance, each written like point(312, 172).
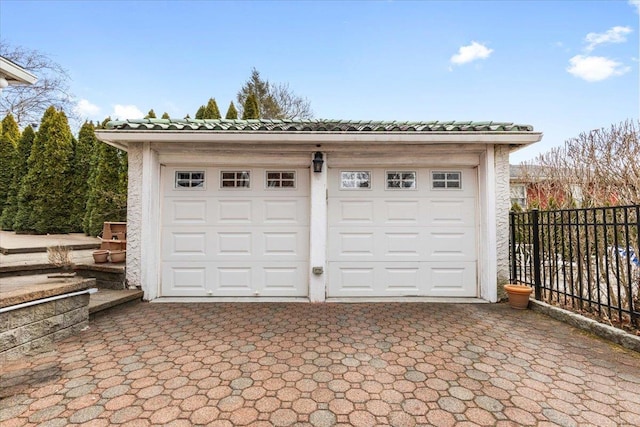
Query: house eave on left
point(15, 74)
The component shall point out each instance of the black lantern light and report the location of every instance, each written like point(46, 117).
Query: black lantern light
point(317, 162)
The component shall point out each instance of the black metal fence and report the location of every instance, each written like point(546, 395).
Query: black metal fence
point(585, 260)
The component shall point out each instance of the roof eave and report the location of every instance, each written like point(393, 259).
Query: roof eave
point(14, 74)
point(122, 138)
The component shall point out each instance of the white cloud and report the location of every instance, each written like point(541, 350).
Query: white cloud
point(613, 35)
point(84, 108)
point(595, 68)
point(636, 4)
point(470, 53)
point(124, 112)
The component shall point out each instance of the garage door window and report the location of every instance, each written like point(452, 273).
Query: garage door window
point(355, 180)
point(189, 179)
point(401, 180)
point(235, 179)
point(442, 180)
point(281, 179)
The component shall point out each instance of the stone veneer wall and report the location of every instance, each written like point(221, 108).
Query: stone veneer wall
point(36, 327)
point(501, 156)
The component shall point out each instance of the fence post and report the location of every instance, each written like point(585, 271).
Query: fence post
point(536, 254)
point(514, 262)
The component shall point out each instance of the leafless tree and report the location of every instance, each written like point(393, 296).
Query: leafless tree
point(292, 105)
point(27, 103)
point(275, 101)
point(597, 168)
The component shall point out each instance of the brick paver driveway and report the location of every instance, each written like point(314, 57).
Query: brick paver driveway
point(322, 365)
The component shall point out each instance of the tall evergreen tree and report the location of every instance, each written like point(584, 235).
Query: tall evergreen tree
point(250, 110)
point(261, 90)
point(20, 169)
point(200, 112)
point(211, 111)
point(232, 113)
point(24, 221)
point(82, 164)
point(105, 201)
point(48, 177)
point(165, 115)
point(150, 115)
point(8, 142)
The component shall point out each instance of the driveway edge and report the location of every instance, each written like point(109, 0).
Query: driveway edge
point(610, 333)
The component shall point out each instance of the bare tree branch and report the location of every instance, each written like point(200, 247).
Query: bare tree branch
point(597, 168)
point(28, 103)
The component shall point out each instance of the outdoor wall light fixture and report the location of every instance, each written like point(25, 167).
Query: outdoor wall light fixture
point(317, 162)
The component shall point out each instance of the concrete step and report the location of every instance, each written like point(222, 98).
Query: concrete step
point(108, 298)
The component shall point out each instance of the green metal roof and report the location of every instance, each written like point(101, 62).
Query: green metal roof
point(266, 125)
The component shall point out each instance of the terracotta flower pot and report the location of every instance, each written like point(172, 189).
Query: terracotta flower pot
point(118, 256)
point(518, 296)
point(100, 256)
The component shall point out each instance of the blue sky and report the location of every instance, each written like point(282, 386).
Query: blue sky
point(563, 67)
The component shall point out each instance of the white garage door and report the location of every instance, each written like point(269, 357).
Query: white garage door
point(402, 232)
point(235, 231)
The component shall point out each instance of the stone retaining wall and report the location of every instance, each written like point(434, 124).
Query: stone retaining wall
point(36, 327)
point(106, 277)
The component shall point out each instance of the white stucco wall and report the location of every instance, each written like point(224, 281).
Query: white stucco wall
point(501, 158)
point(134, 216)
point(318, 233)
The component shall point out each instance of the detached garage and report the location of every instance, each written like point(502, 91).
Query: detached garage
point(317, 210)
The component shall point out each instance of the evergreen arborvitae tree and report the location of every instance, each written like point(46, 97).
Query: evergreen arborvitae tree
point(250, 110)
point(82, 164)
point(232, 113)
point(211, 111)
point(105, 195)
point(20, 169)
point(200, 112)
point(48, 178)
point(27, 191)
point(150, 115)
point(165, 115)
point(8, 142)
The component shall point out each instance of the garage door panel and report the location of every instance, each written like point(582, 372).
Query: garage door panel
point(451, 212)
point(452, 279)
point(233, 211)
point(402, 279)
point(259, 279)
point(456, 244)
point(186, 211)
point(284, 280)
point(281, 243)
point(401, 212)
point(186, 278)
point(285, 211)
point(352, 211)
point(234, 244)
point(185, 243)
point(353, 279)
point(351, 243)
point(233, 280)
point(374, 243)
point(402, 244)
